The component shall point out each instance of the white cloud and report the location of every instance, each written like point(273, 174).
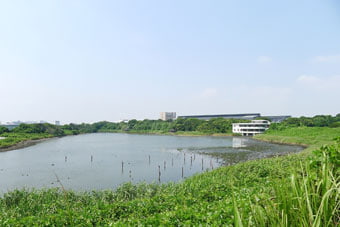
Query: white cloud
point(329, 58)
point(209, 93)
point(319, 83)
point(264, 59)
point(308, 80)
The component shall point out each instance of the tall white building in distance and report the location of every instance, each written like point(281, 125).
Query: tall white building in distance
point(168, 116)
point(57, 122)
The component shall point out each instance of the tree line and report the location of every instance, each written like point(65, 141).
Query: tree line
point(216, 125)
point(316, 121)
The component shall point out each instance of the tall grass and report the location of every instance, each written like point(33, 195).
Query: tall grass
point(309, 197)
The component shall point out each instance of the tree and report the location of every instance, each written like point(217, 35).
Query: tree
point(3, 129)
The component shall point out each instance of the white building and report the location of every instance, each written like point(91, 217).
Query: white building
point(252, 128)
point(167, 116)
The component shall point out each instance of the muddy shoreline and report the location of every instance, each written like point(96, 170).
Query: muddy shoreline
point(23, 144)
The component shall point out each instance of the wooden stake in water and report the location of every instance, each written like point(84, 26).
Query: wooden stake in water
point(122, 167)
point(184, 158)
point(202, 164)
point(182, 172)
point(159, 173)
point(130, 174)
point(190, 160)
point(149, 160)
point(164, 165)
point(91, 158)
point(65, 158)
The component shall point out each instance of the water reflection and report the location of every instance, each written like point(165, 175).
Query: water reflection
point(238, 142)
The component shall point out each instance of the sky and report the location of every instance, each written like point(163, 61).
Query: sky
point(87, 61)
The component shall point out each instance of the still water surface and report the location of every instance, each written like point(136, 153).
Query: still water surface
point(94, 161)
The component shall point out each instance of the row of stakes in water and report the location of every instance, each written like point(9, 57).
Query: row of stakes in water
point(172, 164)
point(192, 158)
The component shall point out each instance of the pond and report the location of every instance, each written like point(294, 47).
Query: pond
point(106, 160)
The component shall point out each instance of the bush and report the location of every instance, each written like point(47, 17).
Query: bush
point(3, 130)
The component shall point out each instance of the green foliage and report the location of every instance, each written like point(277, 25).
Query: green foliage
point(335, 124)
point(328, 154)
point(315, 136)
point(316, 121)
point(26, 132)
point(309, 197)
point(15, 138)
point(218, 125)
point(3, 130)
point(212, 126)
point(39, 128)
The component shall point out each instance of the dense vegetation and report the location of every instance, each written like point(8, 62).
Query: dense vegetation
point(12, 139)
point(3, 129)
point(217, 125)
point(25, 132)
point(316, 121)
point(295, 190)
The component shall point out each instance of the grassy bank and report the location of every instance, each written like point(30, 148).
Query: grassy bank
point(295, 190)
point(16, 139)
point(313, 137)
point(26, 134)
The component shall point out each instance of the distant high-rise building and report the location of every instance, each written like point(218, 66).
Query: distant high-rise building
point(57, 122)
point(168, 116)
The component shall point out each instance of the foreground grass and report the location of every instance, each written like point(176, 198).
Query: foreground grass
point(295, 190)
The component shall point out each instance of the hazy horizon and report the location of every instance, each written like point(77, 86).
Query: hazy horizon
point(119, 120)
point(88, 61)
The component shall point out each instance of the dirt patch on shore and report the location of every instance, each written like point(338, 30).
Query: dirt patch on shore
point(23, 144)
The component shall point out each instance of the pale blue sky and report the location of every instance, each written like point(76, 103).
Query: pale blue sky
point(86, 61)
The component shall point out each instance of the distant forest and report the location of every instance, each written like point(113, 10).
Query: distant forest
point(216, 125)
